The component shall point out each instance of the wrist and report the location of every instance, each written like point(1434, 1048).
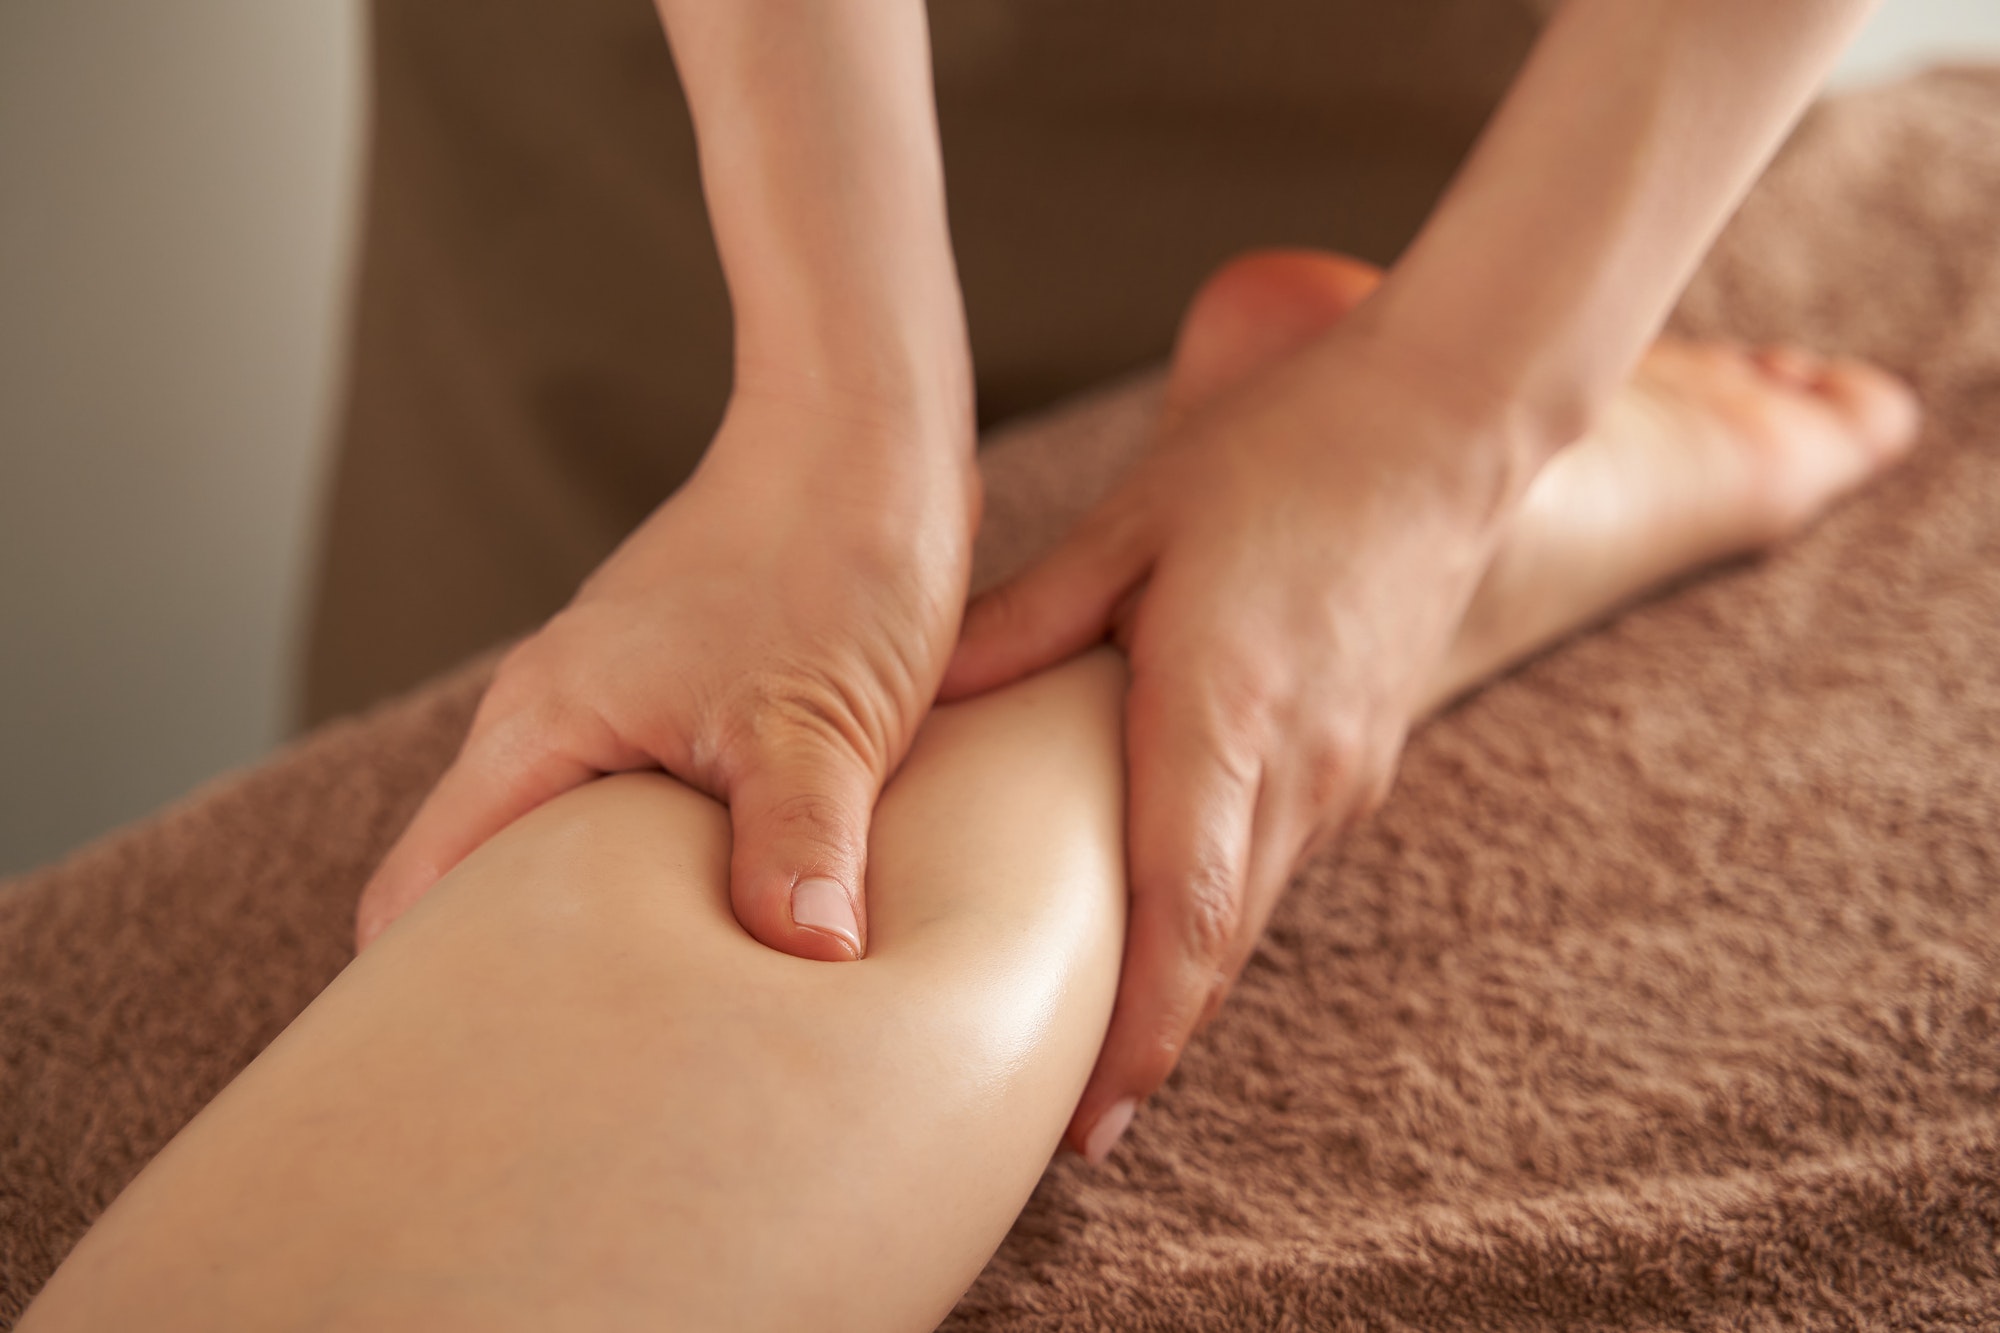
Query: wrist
point(885, 350)
point(1522, 391)
point(905, 455)
point(905, 392)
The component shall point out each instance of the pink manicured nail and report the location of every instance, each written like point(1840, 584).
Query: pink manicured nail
point(1110, 1128)
point(821, 904)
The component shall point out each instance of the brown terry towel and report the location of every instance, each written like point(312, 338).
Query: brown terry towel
point(1666, 991)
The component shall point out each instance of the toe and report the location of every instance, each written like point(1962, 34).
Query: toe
point(1880, 407)
point(1790, 365)
point(1796, 429)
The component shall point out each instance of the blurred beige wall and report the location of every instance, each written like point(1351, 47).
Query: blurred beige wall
point(176, 197)
point(176, 182)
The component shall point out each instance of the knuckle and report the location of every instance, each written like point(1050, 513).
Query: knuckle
point(816, 819)
point(1241, 688)
point(1328, 773)
point(809, 812)
point(1337, 762)
point(1212, 911)
point(1346, 734)
point(791, 712)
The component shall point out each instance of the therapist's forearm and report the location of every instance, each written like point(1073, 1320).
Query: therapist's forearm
point(819, 150)
point(1630, 136)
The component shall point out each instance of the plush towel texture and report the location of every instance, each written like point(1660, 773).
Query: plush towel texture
point(1665, 992)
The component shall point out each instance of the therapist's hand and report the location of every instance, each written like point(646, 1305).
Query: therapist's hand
point(773, 635)
point(1285, 570)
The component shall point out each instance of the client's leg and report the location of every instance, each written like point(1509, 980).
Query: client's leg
point(567, 1091)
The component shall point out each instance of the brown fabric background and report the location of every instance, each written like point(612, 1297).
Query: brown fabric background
point(541, 335)
point(1665, 992)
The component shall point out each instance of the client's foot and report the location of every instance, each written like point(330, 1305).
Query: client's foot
point(1710, 451)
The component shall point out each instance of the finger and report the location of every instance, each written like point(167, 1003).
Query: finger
point(1057, 608)
point(1193, 796)
point(800, 817)
point(498, 777)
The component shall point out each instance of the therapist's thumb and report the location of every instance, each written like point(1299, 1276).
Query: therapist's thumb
point(800, 822)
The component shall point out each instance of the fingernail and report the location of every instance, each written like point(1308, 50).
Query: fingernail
point(821, 904)
point(1110, 1128)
